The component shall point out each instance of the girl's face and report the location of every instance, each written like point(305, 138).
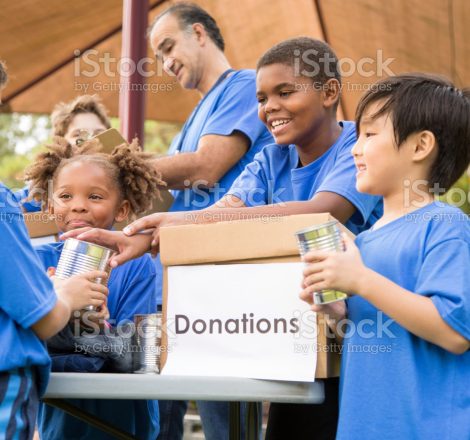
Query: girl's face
point(290, 105)
point(84, 195)
point(82, 123)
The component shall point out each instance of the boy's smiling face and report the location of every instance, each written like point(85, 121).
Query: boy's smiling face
point(382, 167)
point(289, 105)
point(84, 195)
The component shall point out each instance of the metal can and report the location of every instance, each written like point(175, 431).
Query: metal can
point(325, 237)
point(79, 257)
point(147, 343)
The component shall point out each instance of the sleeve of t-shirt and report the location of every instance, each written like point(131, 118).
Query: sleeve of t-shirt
point(26, 293)
point(251, 186)
point(342, 180)
point(237, 110)
point(445, 278)
point(139, 294)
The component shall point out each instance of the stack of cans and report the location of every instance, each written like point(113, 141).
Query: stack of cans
point(148, 339)
point(324, 237)
point(80, 257)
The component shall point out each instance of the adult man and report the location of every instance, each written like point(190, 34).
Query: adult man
point(218, 140)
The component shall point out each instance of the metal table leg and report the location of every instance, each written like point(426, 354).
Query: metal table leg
point(235, 432)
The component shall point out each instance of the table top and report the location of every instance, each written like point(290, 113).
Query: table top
point(155, 386)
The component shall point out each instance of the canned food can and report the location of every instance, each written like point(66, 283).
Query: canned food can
point(147, 343)
point(325, 237)
point(79, 257)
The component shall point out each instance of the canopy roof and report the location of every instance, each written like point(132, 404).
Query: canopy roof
point(40, 41)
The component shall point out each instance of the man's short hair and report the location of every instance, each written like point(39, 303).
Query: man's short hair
point(309, 57)
point(63, 113)
point(3, 74)
point(417, 102)
point(189, 13)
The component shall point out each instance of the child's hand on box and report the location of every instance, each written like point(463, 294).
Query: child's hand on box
point(82, 290)
point(333, 270)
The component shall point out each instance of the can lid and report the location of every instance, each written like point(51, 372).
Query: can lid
point(317, 231)
point(83, 247)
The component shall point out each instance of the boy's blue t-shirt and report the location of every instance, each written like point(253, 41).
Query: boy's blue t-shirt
point(275, 176)
point(28, 205)
point(26, 294)
point(395, 385)
point(131, 291)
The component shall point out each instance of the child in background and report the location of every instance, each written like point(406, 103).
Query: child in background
point(97, 189)
point(30, 312)
point(406, 374)
point(75, 121)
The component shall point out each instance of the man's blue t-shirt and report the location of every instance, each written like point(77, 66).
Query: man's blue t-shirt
point(229, 107)
point(395, 385)
point(275, 176)
point(26, 294)
point(131, 291)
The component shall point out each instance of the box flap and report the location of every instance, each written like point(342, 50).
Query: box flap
point(234, 240)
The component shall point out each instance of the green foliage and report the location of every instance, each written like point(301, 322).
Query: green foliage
point(459, 194)
point(22, 136)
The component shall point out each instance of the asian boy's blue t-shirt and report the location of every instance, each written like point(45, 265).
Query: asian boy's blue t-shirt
point(229, 107)
point(395, 385)
point(26, 295)
point(275, 176)
point(131, 291)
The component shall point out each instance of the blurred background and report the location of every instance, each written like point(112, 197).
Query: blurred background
point(56, 50)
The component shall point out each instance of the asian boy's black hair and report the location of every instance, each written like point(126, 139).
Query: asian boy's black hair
point(418, 102)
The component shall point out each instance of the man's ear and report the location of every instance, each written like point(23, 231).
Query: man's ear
point(424, 146)
point(123, 211)
point(331, 92)
point(200, 33)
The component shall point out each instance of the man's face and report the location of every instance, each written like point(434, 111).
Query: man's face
point(178, 50)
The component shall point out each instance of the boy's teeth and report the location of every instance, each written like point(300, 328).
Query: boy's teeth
point(279, 122)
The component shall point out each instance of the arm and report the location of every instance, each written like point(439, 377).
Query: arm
point(417, 313)
point(215, 155)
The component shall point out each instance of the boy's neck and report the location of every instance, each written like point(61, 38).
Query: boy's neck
point(403, 202)
point(324, 136)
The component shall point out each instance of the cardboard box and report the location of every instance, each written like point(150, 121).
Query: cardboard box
point(244, 241)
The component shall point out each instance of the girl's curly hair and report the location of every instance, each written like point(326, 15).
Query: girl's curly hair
point(128, 166)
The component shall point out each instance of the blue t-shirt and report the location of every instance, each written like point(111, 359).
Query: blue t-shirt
point(275, 176)
point(28, 205)
point(395, 385)
point(131, 291)
point(229, 107)
point(26, 294)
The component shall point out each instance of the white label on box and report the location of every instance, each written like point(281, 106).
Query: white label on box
point(240, 320)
